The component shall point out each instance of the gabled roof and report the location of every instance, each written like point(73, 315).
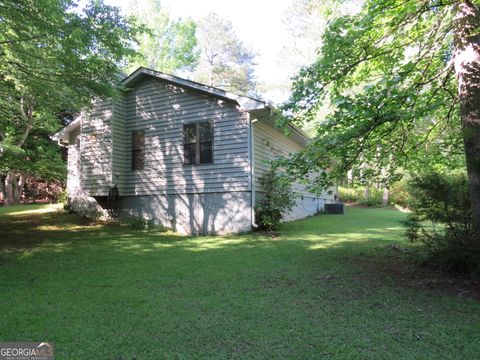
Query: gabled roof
point(245, 102)
point(259, 108)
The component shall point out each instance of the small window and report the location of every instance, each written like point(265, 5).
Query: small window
point(138, 150)
point(198, 143)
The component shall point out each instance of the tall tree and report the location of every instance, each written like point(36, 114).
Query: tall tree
point(54, 56)
point(225, 62)
point(403, 76)
point(167, 45)
point(305, 22)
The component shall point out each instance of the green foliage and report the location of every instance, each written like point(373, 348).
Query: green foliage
point(374, 199)
point(334, 282)
point(398, 195)
point(167, 45)
point(139, 223)
point(305, 22)
point(225, 61)
point(63, 198)
point(387, 73)
point(278, 199)
point(441, 220)
point(357, 195)
point(349, 194)
point(55, 57)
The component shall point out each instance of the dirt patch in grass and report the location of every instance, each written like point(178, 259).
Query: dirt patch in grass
point(27, 230)
point(403, 271)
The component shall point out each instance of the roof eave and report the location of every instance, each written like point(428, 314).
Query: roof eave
point(245, 103)
point(62, 135)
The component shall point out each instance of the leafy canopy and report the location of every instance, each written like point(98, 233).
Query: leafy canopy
point(167, 45)
point(225, 62)
point(54, 57)
point(389, 74)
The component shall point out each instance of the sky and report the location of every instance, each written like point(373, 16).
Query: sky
point(258, 24)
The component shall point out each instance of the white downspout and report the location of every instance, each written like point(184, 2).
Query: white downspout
point(252, 169)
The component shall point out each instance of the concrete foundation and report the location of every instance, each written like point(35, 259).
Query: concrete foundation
point(194, 214)
point(304, 206)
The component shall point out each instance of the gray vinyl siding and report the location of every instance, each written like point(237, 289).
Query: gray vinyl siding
point(73, 176)
point(271, 143)
point(119, 151)
point(96, 149)
point(161, 109)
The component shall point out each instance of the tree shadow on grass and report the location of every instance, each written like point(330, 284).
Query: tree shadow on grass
point(358, 247)
point(292, 296)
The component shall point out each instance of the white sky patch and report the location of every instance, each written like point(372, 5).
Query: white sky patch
point(258, 23)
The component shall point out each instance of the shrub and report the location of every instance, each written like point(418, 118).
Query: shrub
point(348, 195)
point(399, 194)
point(139, 223)
point(441, 220)
point(278, 199)
point(357, 194)
point(374, 198)
point(63, 197)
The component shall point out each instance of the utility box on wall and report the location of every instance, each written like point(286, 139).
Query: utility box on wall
point(337, 208)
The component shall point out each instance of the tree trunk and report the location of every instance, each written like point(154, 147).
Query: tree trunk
point(21, 184)
point(386, 195)
point(18, 186)
point(28, 115)
point(350, 177)
point(9, 188)
point(367, 192)
point(2, 189)
point(467, 69)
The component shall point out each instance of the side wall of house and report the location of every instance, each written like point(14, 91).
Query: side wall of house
point(73, 161)
point(208, 198)
point(96, 149)
point(270, 143)
point(119, 150)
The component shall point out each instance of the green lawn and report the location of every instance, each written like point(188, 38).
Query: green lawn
point(327, 287)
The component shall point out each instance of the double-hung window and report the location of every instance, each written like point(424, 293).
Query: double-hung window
point(138, 150)
point(198, 143)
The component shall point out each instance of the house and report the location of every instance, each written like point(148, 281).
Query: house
point(185, 154)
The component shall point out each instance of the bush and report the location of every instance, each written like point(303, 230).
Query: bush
point(441, 220)
point(349, 195)
point(138, 223)
point(399, 194)
point(278, 199)
point(38, 190)
point(357, 194)
point(63, 197)
point(374, 199)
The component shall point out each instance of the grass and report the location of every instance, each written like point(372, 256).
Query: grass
point(327, 287)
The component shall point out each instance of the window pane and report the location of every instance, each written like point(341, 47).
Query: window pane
point(189, 154)
point(206, 156)
point(205, 131)
point(138, 157)
point(138, 140)
point(189, 134)
point(138, 152)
